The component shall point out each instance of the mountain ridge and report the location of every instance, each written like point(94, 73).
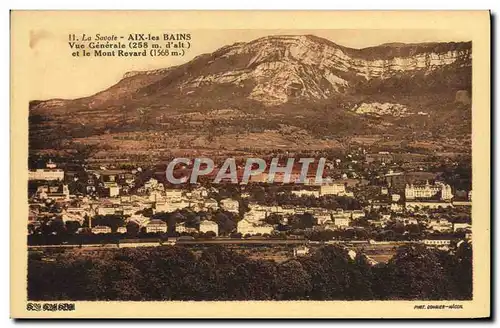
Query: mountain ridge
point(305, 82)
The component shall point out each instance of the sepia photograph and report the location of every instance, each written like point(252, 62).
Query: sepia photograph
point(250, 165)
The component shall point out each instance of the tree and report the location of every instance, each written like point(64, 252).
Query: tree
point(415, 272)
point(72, 227)
point(293, 281)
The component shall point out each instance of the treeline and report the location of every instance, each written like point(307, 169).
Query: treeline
point(216, 274)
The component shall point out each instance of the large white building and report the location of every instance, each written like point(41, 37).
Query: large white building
point(443, 191)
point(332, 189)
point(206, 226)
point(156, 226)
point(49, 173)
point(245, 227)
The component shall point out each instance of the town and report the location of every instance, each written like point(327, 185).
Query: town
point(363, 197)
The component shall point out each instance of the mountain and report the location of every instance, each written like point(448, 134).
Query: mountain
point(304, 82)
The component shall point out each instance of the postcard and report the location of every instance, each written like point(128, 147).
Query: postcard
point(250, 164)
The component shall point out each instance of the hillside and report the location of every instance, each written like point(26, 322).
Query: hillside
point(285, 92)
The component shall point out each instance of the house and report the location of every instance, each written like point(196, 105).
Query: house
point(461, 226)
point(341, 222)
point(255, 215)
point(206, 226)
point(173, 195)
point(300, 251)
point(322, 217)
point(49, 173)
point(108, 210)
point(332, 189)
point(101, 229)
point(396, 207)
point(155, 226)
point(356, 214)
point(181, 228)
point(230, 205)
point(113, 188)
point(440, 225)
point(245, 227)
point(58, 192)
point(200, 192)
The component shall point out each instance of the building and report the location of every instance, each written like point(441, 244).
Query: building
point(437, 242)
point(332, 189)
point(59, 192)
point(356, 214)
point(168, 207)
point(255, 215)
point(155, 226)
point(49, 173)
point(101, 229)
point(322, 217)
point(440, 225)
point(113, 188)
point(306, 192)
point(300, 251)
point(439, 191)
point(230, 205)
point(396, 207)
point(108, 210)
point(206, 226)
point(245, 227)
point(341, 222)
point(181, 228)
point(461, 226)
point(395, 197)
point(152, 184)
point(173, 195)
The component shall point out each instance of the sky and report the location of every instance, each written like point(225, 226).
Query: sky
point(57, 74)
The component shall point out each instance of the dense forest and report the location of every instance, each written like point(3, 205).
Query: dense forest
point(217, 273)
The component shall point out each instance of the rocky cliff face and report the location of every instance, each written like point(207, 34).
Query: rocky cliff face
point(280, 68)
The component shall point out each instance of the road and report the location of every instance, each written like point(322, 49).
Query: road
point(127, 244)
